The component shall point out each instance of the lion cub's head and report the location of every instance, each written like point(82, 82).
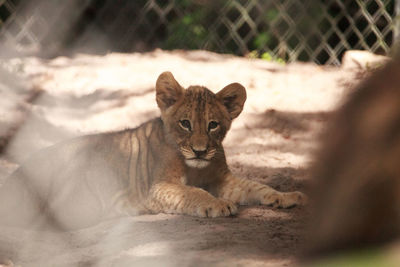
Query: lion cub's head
point(196, 119)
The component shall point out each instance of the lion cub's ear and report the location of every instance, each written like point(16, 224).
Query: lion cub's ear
point(233, 97)
point(168, 90)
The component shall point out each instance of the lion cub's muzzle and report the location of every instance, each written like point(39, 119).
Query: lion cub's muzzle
point(200, 154)
point(196, 158)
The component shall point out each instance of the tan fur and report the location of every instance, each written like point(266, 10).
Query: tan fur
point(172, 164)
point(356, 195)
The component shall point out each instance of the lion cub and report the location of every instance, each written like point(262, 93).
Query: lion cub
point(172, 164)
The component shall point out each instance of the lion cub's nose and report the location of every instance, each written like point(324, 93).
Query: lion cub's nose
point(199, 153)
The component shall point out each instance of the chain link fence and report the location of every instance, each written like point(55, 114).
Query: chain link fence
point(287, 30)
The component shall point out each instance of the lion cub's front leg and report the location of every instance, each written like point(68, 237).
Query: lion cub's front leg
point(176, 198)
point(243, 191)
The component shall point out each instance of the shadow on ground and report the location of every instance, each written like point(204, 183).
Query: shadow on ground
point(148, 239)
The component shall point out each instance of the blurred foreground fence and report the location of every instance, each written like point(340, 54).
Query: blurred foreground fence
point(289, 30)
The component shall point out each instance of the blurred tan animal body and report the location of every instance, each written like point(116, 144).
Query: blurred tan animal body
point(172, 164)
point(357, 171)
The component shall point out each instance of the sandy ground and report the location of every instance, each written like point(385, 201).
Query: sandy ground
point(272, 141)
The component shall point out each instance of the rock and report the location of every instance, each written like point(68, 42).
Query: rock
point(365, 60)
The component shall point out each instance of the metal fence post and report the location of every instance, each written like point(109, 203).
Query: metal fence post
point(396, 25)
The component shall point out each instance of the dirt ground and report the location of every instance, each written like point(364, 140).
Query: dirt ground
point(272, 141)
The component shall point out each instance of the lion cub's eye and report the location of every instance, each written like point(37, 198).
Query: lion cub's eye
point(212, 125)
point(185, 124)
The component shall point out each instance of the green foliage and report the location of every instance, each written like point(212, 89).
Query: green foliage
point(266, 56)
point(262, 40)
point(359, 258)
point(185, 33)
point(194, 29)
point(265, 40)
point(188, 31)
point(182, 29)
point(271, 14)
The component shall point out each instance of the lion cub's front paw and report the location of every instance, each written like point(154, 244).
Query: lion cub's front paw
point(216, 208)
point(284, 200)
